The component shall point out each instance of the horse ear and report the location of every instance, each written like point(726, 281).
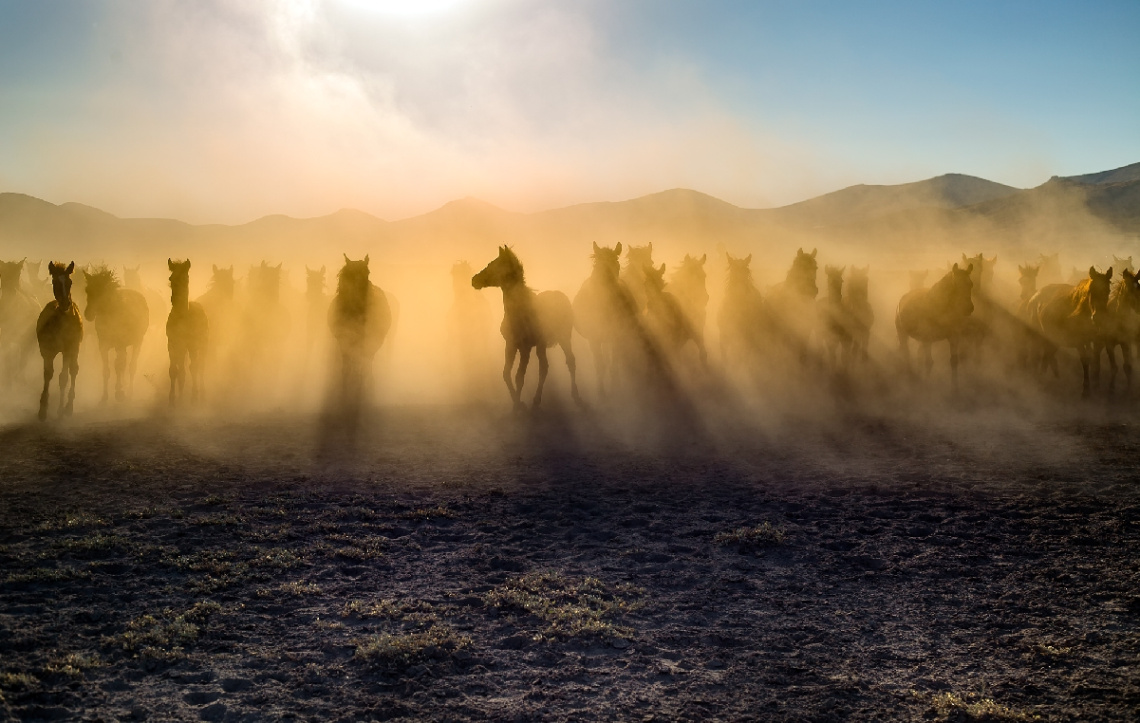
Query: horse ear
point(595, 244)
point(1092, 272)
point(650, 247)
point(748, 259)
point(661, 270)
point(51, 267)
point(617, 249)
point(365, 259)
point(814, 252)
point(215, 268)
point(280, 265)
point(322, 269)
point(345, 257)
point(955, 267)
point(71, 267)
point(704, 258)
point(170, 263)
point(1108, 274)
point(970, 268)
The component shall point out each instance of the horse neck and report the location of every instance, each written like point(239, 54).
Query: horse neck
point(857, 293)
point(517, 297)
point(180, 295)
point(835, 293)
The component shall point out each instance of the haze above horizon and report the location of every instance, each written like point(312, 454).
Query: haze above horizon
point(229, 111)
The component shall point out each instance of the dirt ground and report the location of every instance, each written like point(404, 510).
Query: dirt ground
point(962, 562)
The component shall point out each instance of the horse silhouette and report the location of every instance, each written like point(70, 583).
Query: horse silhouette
point(605, 311)
point(689, 286)
point(1123, 263)
point(637, 260)
point(667, 319)
point(740, 319)
point(1066, 316)
point(59, 330)
point(936, 314)
point(1049, 269)
point(220, 306)
point(360, 319)
point(18, 312)
point(121, 318)
point(860, 316)
point(834, 323)
point(1026, 340)
point(1119, 328)
point(187, 334)
point(791, 309)
point(530, 321)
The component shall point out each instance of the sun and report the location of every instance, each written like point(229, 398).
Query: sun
point(408, 8)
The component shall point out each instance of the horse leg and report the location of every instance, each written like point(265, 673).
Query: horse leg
point(134, 365)
point(173, 371)
point(520, 376)
point(49, 370)
point(509, 362)
point(120, 371)
point(596, 351)
point(195, 374)
point(1126, 353)
point(928, 360)
point(1095, 349)
point(72, 358)
point(543, 368)
point(1086, 359)
point(572, 366)
point(1111, 350)
point(904, 348)
point(104, 354)
point(953, 361)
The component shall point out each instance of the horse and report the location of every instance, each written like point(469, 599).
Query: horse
point(934, 314)
point(530, 321)
point(1119, 327)
point(264, 328)
point(638, 259)
point(604, 308)
point(59, 330)
point(18, 311)
point(38, 286)
point(741, 315)
point(834, 324)
point(667, 319)
point(1066, 315)
point(1049, 268)
point(469, 329)
point(1124, 263)
point(187, 333)
point(1026, 340)
point(688, 284)
point(220, 307)
point(979, 327)
point(791, 306)
point(121, 318)
point(860, 316)
point(359, 318)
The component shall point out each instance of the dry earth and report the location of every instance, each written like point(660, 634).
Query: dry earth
point(954, 564)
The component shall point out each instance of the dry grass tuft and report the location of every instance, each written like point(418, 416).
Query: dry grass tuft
point(582, 607)
point(973, 707)
point(395, 653)
point(760, 536)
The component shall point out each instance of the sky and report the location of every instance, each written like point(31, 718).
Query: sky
point(222, 112)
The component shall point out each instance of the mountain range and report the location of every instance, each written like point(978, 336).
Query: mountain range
point(1100, 211)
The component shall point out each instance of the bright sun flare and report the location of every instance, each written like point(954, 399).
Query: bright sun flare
point(408, 8)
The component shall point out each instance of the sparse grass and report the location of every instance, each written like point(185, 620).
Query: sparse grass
point(427, 513)
point(760, 536)
point(395, 653)
point(973, 707)
point(165, 637)
point(571, 607)
point(300, 589)
point(95, 545)
point(277, 558)
point(214, 500)
point(73, 521)
point(17, 681)
point(46, 575)
point(73, 665)
point(411, 610)
point(217, 520)
point(357, 548)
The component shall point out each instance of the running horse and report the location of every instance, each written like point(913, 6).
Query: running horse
point(791, 308)
point(1119, 328)
point(121, 318)
point(59, 330)
point(934, 314)
point(604, 311)
point(667, 319)
point(740, 318)
point(531, 320)
point(834, 323)
point(187, 333)
point(1069, 315)
point(360, 318)
point(860, 316)
point(18, 311)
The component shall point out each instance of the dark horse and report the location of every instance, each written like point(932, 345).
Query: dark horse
point(18, 310)
point(791, 308)
point(360, 319)
point(934, 314)
point(605, 310)
point(741, 317)
point(187, 333)
point(59, 330)
point(121, 318)
point(835, 325)
point(1066, 315)
point(1119, 327)
point(860, 316)
point(530, 321)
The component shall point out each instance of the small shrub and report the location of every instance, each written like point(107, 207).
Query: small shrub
point(394, 653)
point(570, 607)
point(427, 513)
point(760, 536)
point(17, 681)
point(974, 707)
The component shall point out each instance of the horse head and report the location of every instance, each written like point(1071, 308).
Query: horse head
point(738, 269)
point(504, 270)
point(10, 272)
point(1124, 263)
point(1027, 278)
point(803, 272)
point(222, 280)
point(314, 281)
point(101, 286)
point(1099, 287)
point(960, 301)
point(607, 261)
point(61, 282)
point(639, 257)
point(1130, 289)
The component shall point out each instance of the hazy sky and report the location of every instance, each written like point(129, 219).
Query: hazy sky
point(226, 111)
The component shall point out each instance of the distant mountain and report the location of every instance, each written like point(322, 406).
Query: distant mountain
point(862, 203)
point(1116, 175)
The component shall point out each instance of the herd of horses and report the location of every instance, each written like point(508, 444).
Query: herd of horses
point(641, 329)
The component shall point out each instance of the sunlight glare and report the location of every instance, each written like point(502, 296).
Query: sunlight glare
point(408, 8)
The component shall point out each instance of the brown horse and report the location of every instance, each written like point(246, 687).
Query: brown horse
point(834, 322)
point(689, 285)
point(59, 330)
point(667, 319)
point(604, 310)
point(637, 260)
point(1123, 262)
point(1119, 328)
point(1027, 340)
point(18, 310)
point(740, 319)
point(860, 315)
point(530, 321)
point(187, 333)
point(1067, 315)
point(934, 314)
point(121, 318)
point(360, 319)
point(791, 309)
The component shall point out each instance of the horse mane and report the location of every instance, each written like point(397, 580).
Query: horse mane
point(103, 276)
point(516, 265)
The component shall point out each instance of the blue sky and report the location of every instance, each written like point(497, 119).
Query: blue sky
point(226, 111)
